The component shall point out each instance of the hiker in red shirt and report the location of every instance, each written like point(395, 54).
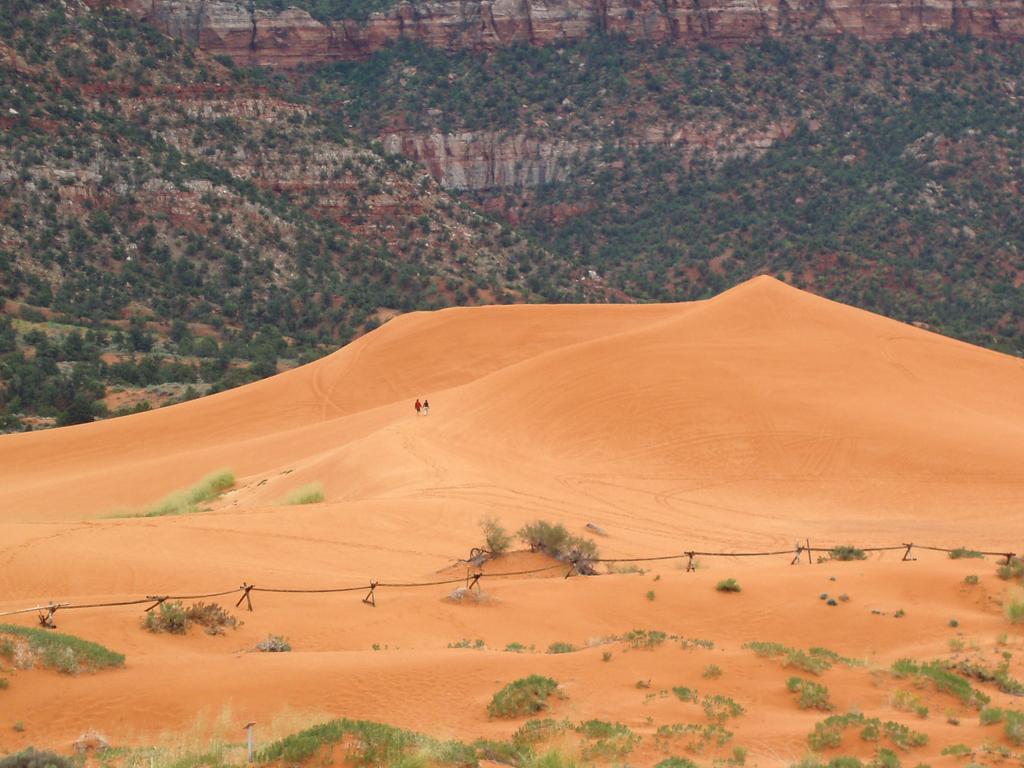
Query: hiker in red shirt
point(418, 406)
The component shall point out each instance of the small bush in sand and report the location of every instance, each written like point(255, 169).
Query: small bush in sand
point(848, 552)
point(525, 696)
point(167, 617)
point(990, 716)
point(812, 695)
point(4, 684)
point(970, 580)
point(496, 539)
point(1012, 570)
point(465, 642)
point(274, 644)
point(1014, 727)
point(645, 638)
point(560, 647)
point(555, 540)
point(30, 758)
point(189, 499)
point(676, 762)
point(172, 617)
point(712, 671)
point(1014, 608)
point(310, 493)
point(211, 617)
point(466, 596)
point(961, 553)
point(728, 585)
point(906, 701)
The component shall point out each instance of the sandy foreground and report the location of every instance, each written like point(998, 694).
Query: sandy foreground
point(759, 418)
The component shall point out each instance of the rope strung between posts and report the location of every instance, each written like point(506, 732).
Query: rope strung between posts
point(577, 564)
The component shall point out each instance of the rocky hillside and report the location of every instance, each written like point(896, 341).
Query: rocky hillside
point(289, 33)
point(887, 175)
point(169, 218)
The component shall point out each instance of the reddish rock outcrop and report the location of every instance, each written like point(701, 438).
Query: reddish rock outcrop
point(292, 37)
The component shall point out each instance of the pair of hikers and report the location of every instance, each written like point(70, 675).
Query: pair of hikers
point(423, 407)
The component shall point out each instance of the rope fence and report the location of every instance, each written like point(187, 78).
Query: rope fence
point(578, 564)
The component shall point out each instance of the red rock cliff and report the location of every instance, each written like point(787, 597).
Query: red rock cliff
point(292, 37)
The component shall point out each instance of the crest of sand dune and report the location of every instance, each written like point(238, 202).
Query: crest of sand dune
point(762, 390)
point(746, 421)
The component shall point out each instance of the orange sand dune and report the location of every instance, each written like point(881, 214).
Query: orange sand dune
point(757, 418)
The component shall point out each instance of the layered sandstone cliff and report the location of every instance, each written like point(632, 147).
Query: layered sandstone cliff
point(293, 37)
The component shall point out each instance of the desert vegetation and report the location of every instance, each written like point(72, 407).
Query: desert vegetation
point(187, 500)
point(522, 697)
point(310, 493)
point(27, 647)
point(172, 617)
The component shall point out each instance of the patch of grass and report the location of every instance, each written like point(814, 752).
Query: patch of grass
point(700, 736)
point(1012, 570)
point(957, 750)
point(646, 639)
point(535, 731)
point(971, 580)
point(65, 653)
point(1014, 608)
point(686, 694)
point(676, 762)
point(943, 680)
point(4, 683)
point(1000, 675)
point(650, 595)
point(814, 660)
point(310, 493)
point(477, 644)
point(560, 647)
point(30, 758)
point(719, 709)
point(812, 695)
point(961, 553)
point(188, 500)
point(828, 734)
point(1013, 727)
point(686, 643)
point(369, 743)
point(522, 697)
point(274, 644)
point(551, 759)
point(712, 671)
point(609, 741)
point(516, 648)
point(847, 552)
point(990, 716)
point(728, 585)
point(905, 701)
